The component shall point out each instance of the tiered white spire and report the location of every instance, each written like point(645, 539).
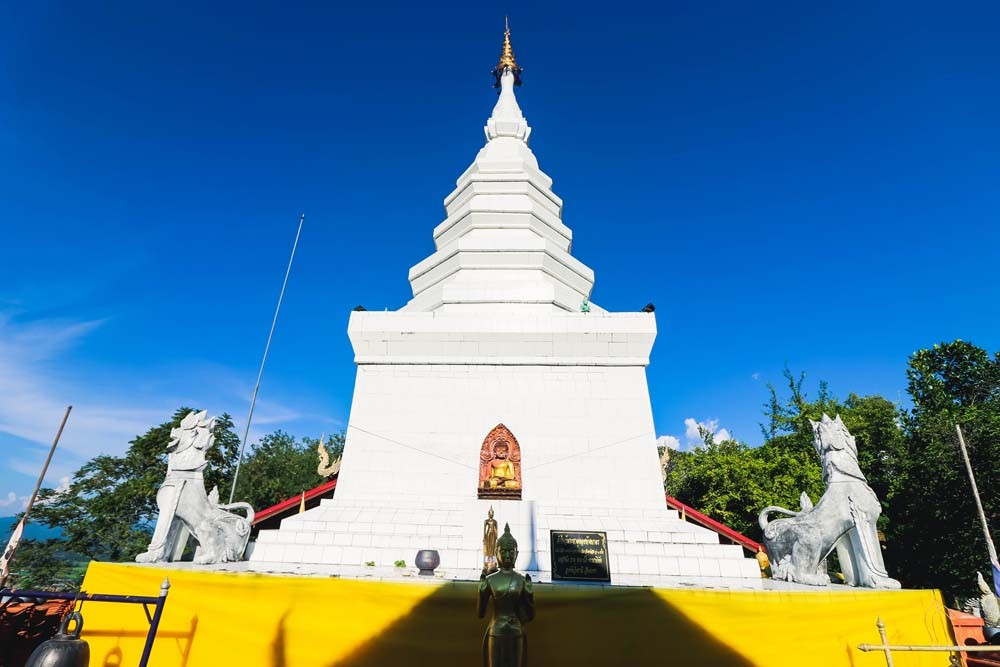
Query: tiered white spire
point(503, 245)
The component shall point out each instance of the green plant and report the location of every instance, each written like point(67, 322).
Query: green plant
point(370, 563)
point(400, 563)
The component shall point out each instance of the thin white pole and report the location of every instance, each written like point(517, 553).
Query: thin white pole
point(45, 467)
point(8, 554)
point(267, 347)
point(975, 494)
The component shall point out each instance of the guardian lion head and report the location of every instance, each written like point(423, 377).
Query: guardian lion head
point(196, 430)
point(831, 434)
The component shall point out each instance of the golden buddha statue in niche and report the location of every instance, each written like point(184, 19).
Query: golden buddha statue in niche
point(500, 465)
point(502, 470)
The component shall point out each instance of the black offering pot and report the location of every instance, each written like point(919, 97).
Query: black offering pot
point(427, 560)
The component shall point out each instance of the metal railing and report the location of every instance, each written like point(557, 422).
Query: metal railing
point(887, 648)
point(153, 618)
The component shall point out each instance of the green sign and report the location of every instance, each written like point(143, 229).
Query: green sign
point(580, 556)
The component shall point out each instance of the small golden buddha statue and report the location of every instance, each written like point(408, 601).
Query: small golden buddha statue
point(505, 643)
point(490, 544)
point(502, 473)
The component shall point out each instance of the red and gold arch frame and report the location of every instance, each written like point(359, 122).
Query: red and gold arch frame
point(500, 465)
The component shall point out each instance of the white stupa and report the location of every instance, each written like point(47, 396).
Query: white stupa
point(500, 331)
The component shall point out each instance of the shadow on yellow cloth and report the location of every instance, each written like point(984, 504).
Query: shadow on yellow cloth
point(260, 620)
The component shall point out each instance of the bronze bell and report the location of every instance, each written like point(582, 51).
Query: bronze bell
point(66, 649)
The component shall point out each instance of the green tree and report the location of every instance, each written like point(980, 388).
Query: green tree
point(44, 565)
point(732, 481)
point(935, 539)
point(279, 467)
point(875, 423)
point(109, 510)
point(729, 481)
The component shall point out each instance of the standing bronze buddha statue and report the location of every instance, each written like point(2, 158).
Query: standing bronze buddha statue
point(506, 643)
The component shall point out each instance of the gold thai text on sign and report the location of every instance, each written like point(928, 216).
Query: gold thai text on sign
point(580, 556)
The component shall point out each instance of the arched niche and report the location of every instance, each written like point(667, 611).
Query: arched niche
point(500, 465)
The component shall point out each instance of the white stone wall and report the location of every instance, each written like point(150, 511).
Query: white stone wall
point(571, 388)
point(586, 433)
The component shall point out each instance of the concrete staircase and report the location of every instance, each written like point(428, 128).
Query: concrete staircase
point(647, 546)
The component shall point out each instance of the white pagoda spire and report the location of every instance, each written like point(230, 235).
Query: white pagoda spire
point(507, 119)
point(503, 246)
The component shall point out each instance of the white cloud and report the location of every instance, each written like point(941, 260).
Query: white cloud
point(33, 396)
point(63, 484)
point(60, 489)
point(668, 441)
point(38, 379)
point(13, 502)
point(692, 434)
point(691, 431)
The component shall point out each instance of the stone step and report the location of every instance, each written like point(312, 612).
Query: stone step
point(381, 515)
point(660, 531)
point(359, 539)
point(453, 536)
point(384, 550)
point(410, 504)
point(409, 574)
point(350, 532)
point(664, 521)
point(461, 505)
point(267, 556)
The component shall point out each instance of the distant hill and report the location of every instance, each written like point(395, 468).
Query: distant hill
point(32, 531)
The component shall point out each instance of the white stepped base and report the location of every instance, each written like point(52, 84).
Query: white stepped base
point(647, 546)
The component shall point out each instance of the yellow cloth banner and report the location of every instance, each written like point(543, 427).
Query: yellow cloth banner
point(214, 618)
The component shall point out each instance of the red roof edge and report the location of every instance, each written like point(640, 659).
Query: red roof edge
point(294, 500)
point(712, 524)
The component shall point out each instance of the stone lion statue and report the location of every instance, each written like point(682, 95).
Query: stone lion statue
point(187, 510)
point(844, 519)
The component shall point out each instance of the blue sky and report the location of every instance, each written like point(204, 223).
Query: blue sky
point(795, 183)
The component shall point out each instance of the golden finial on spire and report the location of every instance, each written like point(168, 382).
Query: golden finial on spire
point(507, 59)
point(507, 54)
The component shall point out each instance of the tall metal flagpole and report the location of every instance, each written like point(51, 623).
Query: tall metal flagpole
point(8, 553)
point(260, 373)
point(979, 506)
